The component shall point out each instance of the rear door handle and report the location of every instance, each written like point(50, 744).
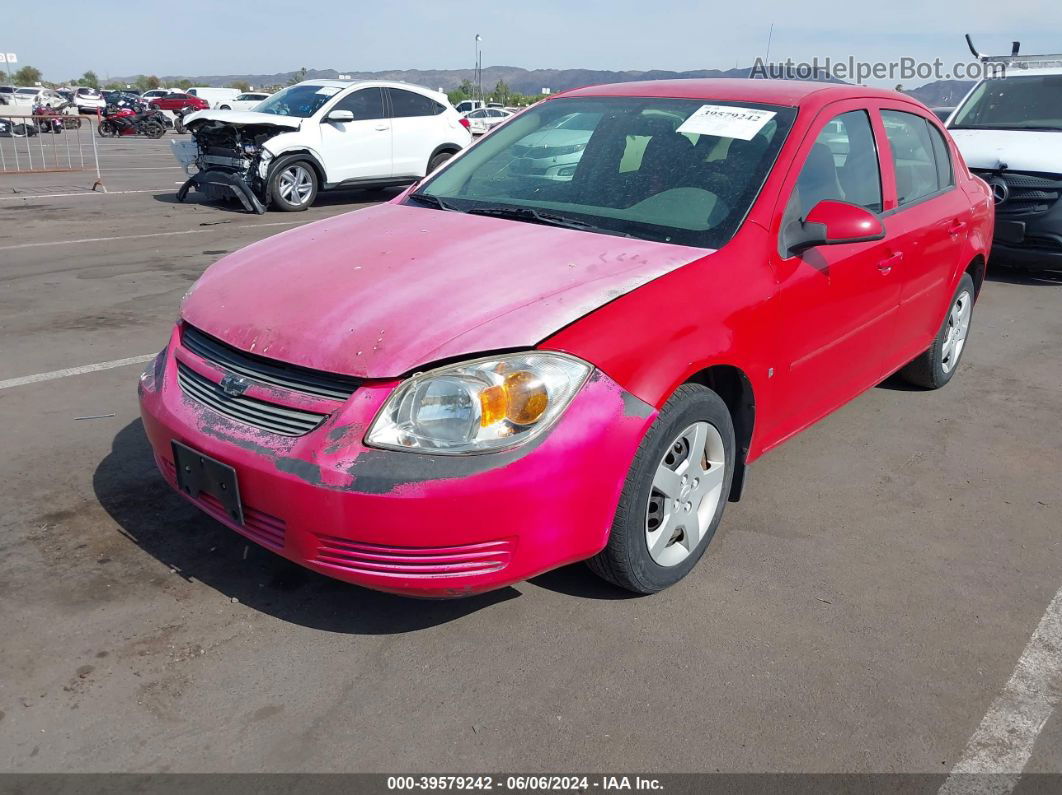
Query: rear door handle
point(956, 226)
point(886, 265)
point(382, 128)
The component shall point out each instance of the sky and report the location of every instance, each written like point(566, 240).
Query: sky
point(64, 38)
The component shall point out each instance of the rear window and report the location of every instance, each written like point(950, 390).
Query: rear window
point(408, 103)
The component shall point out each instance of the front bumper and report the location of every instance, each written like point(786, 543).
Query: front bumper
point(421, 525)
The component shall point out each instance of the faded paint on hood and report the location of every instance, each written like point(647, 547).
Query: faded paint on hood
point(379, 292)
point(1021, 150)
point(244, 118)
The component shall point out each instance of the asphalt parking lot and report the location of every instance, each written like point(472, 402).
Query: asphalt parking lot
point(862, 610)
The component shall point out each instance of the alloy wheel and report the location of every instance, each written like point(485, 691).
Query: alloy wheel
point(295, 184)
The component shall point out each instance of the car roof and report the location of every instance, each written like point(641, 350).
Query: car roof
point(369, 83)
point(769, 92)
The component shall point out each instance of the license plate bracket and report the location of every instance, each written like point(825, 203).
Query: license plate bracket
point(1010, 231)
point(200, 474)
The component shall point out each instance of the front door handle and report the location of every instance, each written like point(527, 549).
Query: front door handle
point(887, 264)
point(382, 128)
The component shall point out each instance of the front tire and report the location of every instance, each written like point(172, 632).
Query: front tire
point(674, 495)
point(293, 186)
point(935, 366)
point(154, 129)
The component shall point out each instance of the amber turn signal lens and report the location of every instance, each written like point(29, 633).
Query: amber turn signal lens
point(528, 397)
point(493, 403)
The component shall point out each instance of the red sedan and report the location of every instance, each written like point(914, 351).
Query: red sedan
point(178, 101)
point(507, 369)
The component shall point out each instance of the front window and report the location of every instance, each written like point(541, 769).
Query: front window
point(671, 170)
point(301, 101)
point(1032, 102)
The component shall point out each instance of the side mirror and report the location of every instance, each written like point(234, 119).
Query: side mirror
point(832, 223)
point(341, 115)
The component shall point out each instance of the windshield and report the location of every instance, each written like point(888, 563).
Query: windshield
point(623, 165)
point(1033, 102)
point(301, 101)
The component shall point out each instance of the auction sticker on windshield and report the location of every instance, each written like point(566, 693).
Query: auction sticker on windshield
point(726, 121)
point(328, 91)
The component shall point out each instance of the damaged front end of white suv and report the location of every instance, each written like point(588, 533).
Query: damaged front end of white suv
point(230, 155)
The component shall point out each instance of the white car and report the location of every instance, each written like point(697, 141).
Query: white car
point(245, 101)
point(35, 95)
point(1009, 130)
point(319, 135)
point(155, 93)
point(485, 119)
point(88, 100)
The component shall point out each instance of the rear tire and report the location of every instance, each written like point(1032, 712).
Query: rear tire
point(674, 494)
point(438, 160)
point(293, 186)
point(935, 366)
point(154, 129)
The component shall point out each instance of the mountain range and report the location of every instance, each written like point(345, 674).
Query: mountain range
point(533, 81)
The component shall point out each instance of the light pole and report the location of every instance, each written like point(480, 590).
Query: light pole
point(478, 75)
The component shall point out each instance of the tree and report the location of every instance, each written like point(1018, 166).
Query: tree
point(89, 79)
point(114, 85)
point(184, 84)
point(501, 92)
point(240, 85)
point(298, 76)
point(27, 76)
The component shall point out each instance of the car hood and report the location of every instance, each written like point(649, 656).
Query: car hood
point(244, 118)
point(1021, 150)
point(379, 292)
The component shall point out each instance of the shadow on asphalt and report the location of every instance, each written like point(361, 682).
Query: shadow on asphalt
point(332, 198)
point(168, 528)
point(1010, 276)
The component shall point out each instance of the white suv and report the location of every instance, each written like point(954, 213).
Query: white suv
point(1009, 130)
point(320, 135)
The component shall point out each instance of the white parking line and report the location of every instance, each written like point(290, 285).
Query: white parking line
point(87, 368)
point(1004, 741)
point(86, 192)
point(141, 237)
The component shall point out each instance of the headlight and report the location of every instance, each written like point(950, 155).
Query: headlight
point(478, 406)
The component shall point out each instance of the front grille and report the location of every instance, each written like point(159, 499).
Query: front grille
point(267, 416)
point(1031, 195)
point(268, 371)
point(416, 562)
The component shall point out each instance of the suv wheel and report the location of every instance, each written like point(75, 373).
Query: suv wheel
point(438, 160)
point(293, 186)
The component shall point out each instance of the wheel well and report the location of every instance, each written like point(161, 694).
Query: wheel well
point(733, 386)
point(976, 269)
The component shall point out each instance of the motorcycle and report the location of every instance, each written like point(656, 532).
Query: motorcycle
point(12, 128)
point(56, 119)
point(132, 118)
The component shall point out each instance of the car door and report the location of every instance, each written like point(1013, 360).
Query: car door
point(416, 121)
point(838, 303)
point(358, 149)
point(929, 220)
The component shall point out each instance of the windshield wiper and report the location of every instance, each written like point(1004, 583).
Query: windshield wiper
point(431, 201)
point(531, 215)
